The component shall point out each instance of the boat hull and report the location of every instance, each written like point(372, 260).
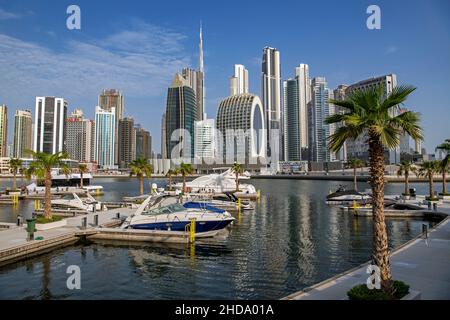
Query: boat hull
point(200, 226)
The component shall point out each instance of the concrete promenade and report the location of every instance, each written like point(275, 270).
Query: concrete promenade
point(422, 263)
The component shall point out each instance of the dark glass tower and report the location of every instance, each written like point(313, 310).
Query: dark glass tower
point(181, 113)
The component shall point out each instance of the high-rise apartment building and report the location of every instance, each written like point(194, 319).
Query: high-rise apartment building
point(239, 81)
point(3, 130)
point(297, 95)
point(127, 143)
point(204, 142)
point(318, 111)
point(49, 125)
point(22, 133)
point(164, 154)
point(108, 99)
point(80, 135)
point(181, 113)
point(105, 137)
point(271, 94)
point(143, 143)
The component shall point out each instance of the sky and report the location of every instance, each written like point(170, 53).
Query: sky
point(138, 46)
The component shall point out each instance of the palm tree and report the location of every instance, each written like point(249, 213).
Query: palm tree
point(405, 169)
point(445, 163)
point(82, 169)
point(355, 163)
point(16, 165)
point(141, 167)
point(237, 169)
point(170, 173)
point(428, 169)
point(185, 169)
point(370, 112)
point(41, 167)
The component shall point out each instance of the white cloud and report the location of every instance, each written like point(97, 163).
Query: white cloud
point(140, 62)
point(391, 49)
point(6, 15)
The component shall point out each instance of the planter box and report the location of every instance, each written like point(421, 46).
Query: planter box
point(412, 295)
point(51, 225)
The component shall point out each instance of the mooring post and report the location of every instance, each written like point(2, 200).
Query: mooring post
point(96, 220)
point(84, 222)
point(192, 231)
point(434, 206)
point(118, 215)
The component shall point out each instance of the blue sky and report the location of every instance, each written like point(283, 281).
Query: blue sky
point(137, 46)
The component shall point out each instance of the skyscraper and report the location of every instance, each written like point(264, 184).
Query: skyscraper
point(181, 113)
point(143, 143)
point(297, 95)
point(108, 99)
point(127, 143)
point(204, 143)
point(164, 154)
point(239, 81)
point(105, 137)
point(271, 92)
point(240, 120)
point(80, 135)
point(22, 133)
point(3, 130)
point(49, 126)
point(318, 111)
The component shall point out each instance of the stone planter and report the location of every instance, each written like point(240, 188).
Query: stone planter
point(51, 225)
point(412, 295)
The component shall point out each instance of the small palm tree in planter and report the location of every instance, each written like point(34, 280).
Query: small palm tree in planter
point(41, 167)
point(445, 164)
point(405, 169)
point(428, 169)
point(140, 168)
point(237, 169)
point(371, 112)
point(16, 165)
point(185, 170)
point(355, 163)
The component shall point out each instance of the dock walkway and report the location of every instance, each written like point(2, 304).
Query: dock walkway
point(422, 263)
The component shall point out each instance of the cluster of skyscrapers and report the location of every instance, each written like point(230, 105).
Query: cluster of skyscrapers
point(110, 141)
point(286, 123)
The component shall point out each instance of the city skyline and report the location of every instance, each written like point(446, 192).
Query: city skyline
point(373, 53)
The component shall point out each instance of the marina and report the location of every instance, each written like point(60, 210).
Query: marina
point(302, 240)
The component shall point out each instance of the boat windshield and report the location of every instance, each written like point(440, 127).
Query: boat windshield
point(171, 208)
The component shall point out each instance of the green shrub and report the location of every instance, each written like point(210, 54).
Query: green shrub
point(361, 292)
point(42, 219)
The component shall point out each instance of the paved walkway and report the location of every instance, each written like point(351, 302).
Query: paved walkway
point(422, 263)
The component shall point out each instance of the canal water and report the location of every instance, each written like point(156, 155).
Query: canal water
point(290, 241)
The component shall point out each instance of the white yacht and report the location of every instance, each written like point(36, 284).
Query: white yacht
point(74, 201)
point(219, 183)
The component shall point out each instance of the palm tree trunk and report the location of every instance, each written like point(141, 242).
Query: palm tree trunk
point(48, 195)
point(141, 185)
point(14, 181)
point(380, 239)
point(170, 182)
point(237, 181)
point(184, 183)
point(355, 186)
point(406, 184)
point(431, 183)
point(444, 183)
point(81, 181)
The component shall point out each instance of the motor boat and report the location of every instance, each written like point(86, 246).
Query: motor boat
point(161, 212)
point(343, 196)
point(225, 201)
point(74, 201)
point(218, 183)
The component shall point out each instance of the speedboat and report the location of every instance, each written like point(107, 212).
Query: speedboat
point(343, 196)
point(166, 213)
point(225, 201)
point(74, 201)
